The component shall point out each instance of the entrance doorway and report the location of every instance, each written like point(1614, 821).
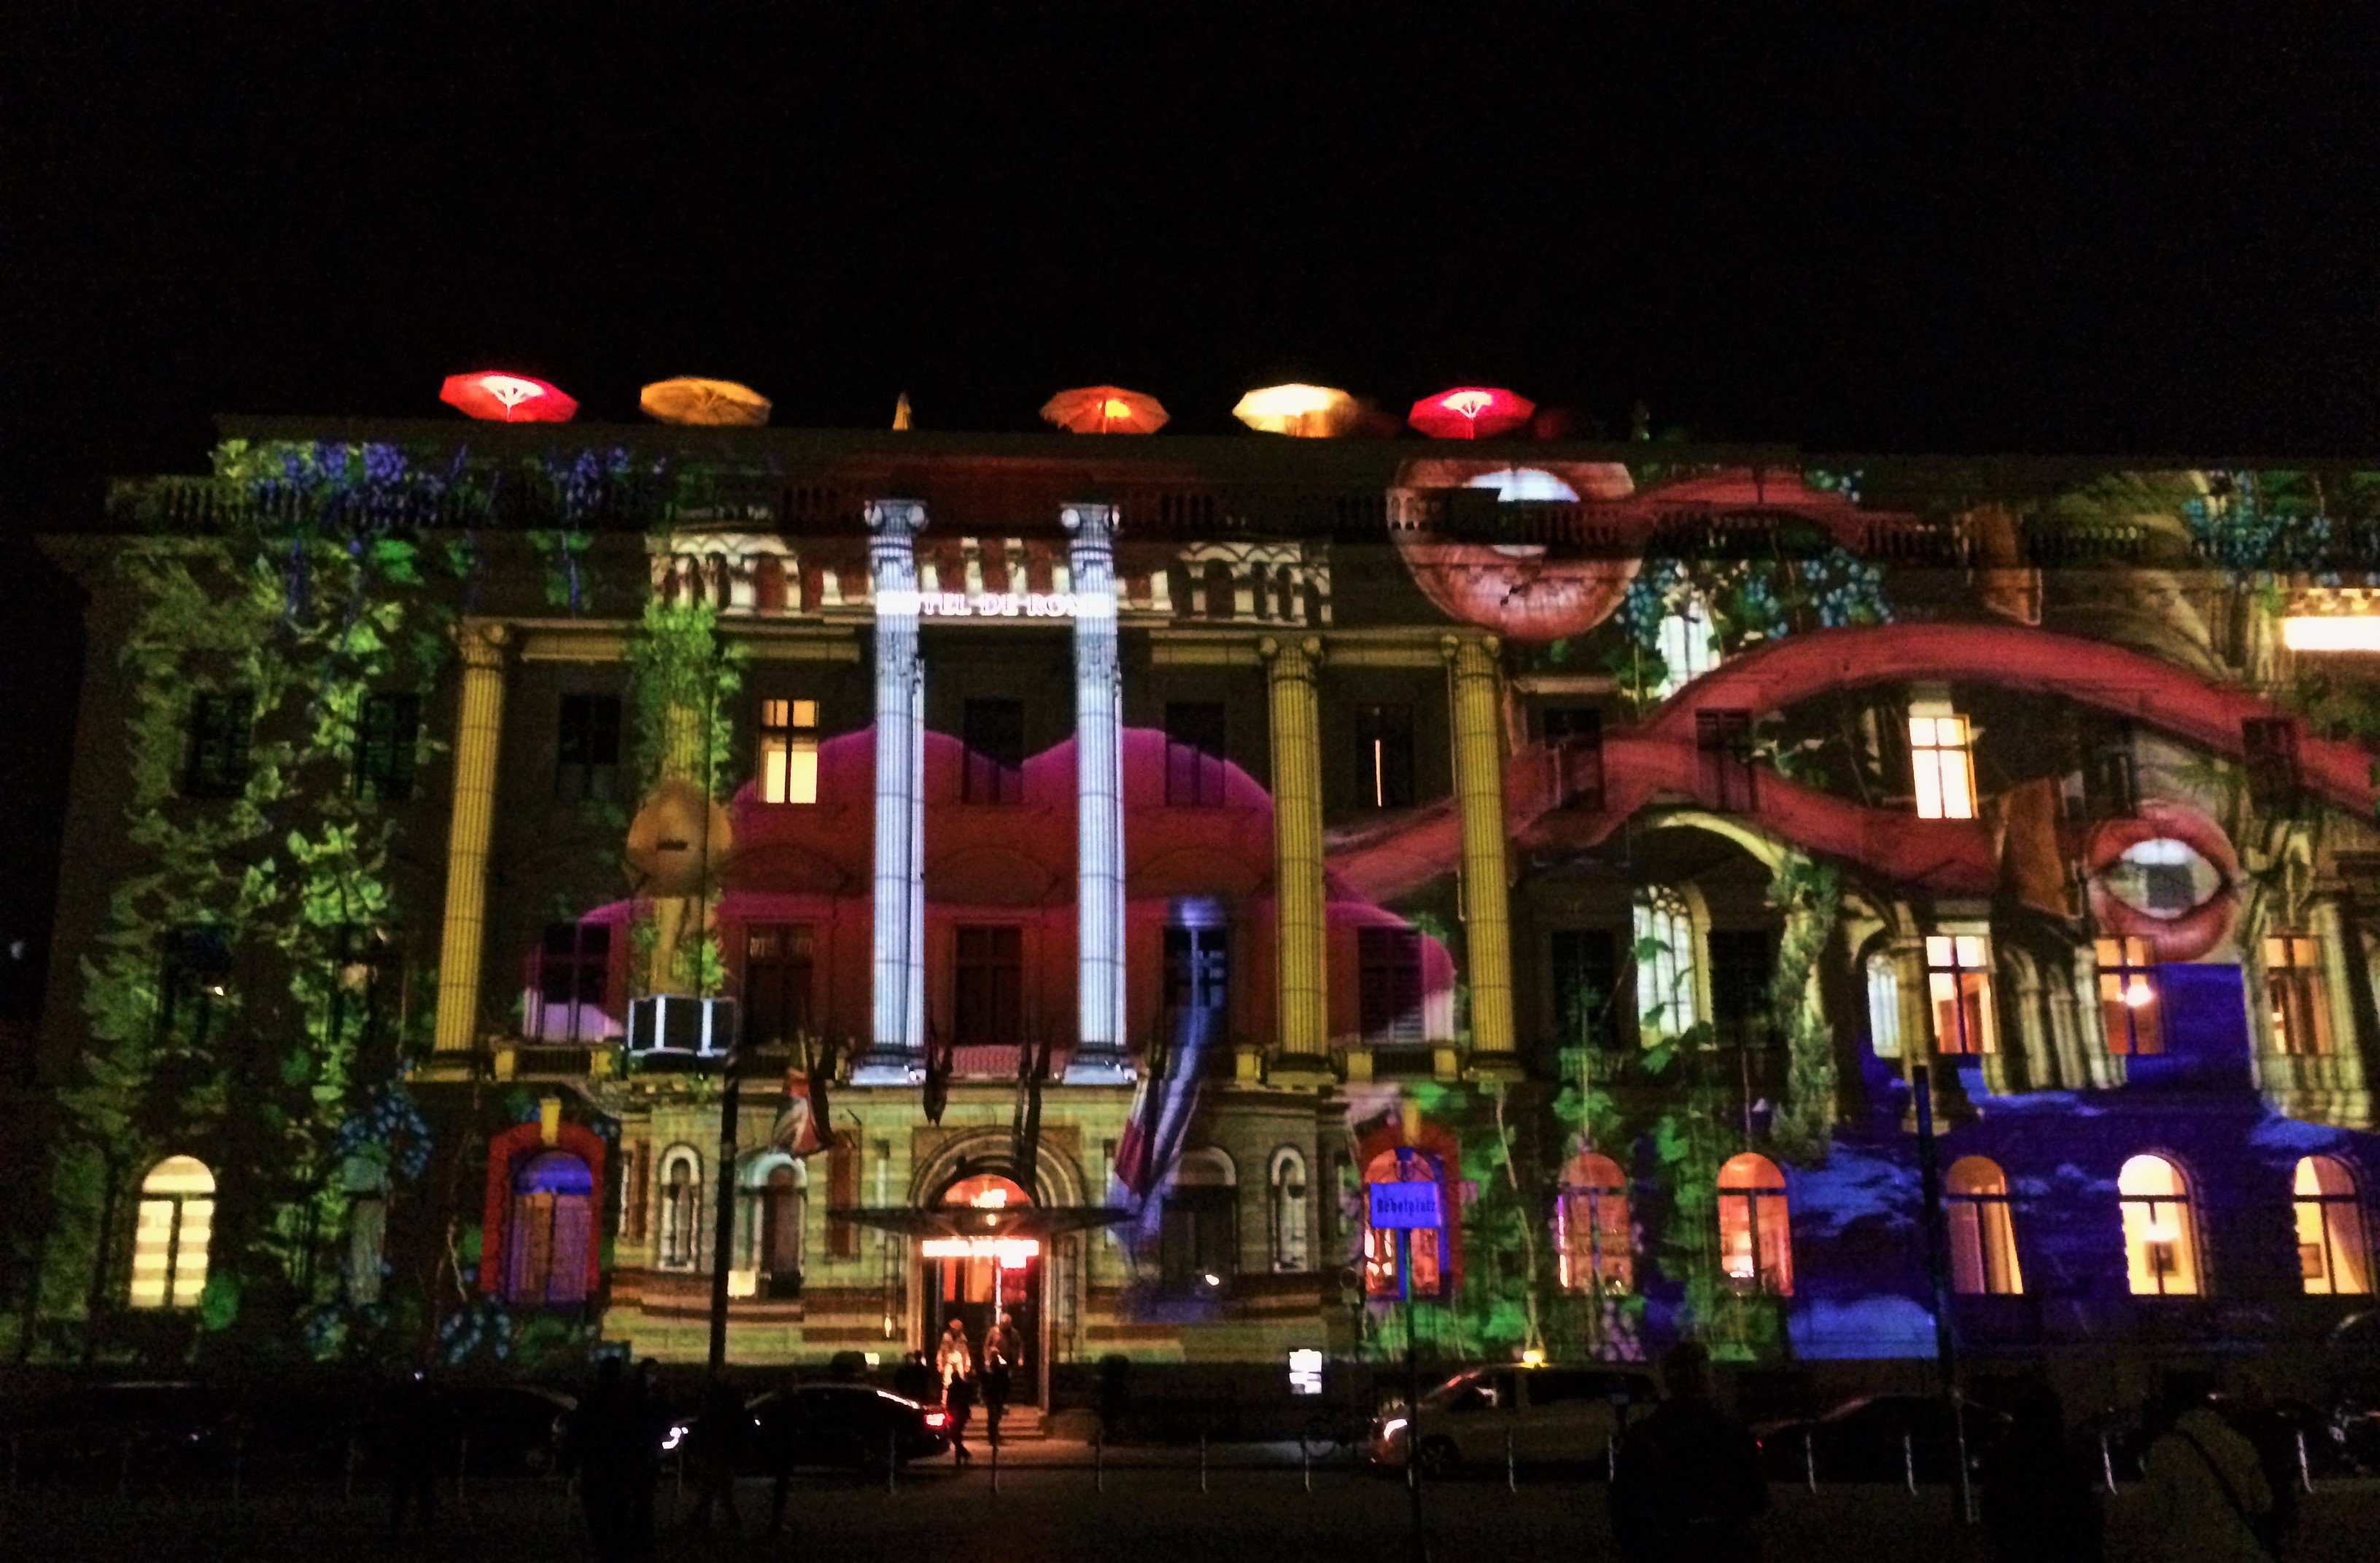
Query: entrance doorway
point(976, 1279)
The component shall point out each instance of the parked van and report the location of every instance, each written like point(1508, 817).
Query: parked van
point(1539, 1415)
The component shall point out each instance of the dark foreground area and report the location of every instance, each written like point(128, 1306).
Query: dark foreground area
point(1253, 1510)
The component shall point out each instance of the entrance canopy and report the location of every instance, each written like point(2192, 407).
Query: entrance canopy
point(995, 1222)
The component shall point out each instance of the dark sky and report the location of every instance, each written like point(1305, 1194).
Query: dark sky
point(1972, 228)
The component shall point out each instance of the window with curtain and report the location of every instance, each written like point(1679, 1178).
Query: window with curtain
point(2160, 1240)
point(2332, 1257)
point(1983, 1229)
point(2293, 995)
point(169, 1234)
point(1594, 1249)
point(1286, 1181)
point(681, 1233)
point(1958, 983)
point(1755, 1238)
point(1666, 1000)
point(2128, 997)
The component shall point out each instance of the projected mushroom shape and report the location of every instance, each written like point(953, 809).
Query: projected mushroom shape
point(501, 396)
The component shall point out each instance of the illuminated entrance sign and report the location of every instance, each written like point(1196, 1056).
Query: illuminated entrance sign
point(1409, 1207)
point(999, 605)
point(1013, 1254)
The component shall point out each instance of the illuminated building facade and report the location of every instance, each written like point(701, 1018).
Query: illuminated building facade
point(1159, 836)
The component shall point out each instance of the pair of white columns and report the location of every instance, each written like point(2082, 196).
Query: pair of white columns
point(896, 1051)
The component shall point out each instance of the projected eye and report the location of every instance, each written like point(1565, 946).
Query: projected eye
point(2162, 877)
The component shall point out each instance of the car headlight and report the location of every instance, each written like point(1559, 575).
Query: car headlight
point(1391, 1428)
point(674, 1437)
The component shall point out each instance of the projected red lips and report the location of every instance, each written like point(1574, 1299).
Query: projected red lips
point(2167, 876)
point(1518, 590)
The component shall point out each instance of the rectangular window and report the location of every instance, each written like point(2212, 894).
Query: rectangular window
point(1574, 739)
point(789, 751)
point(2293, 994)
point(995, 752)
point(777, 963)
point(573, 974)
point(388, 732)
point(1196, 1240)
point(1386, 735)
point(842, 1193)
point(2111, 784)
point(2128, 997)
point(2269, 747)
point(366, 965)
point(588, 750)
point(192, 985)
point(1723, 748)
point(635, 1192)
point(1194, 754)
point(214, 764)
point(1585, 979)
point(1942, 762)
point(1741, 963)
point(1197, 970)
point(1959, 982)
point(990, 986)
point(1389, 993)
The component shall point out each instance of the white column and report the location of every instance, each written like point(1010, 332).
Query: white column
point(895, 1046)
point(1098, 783)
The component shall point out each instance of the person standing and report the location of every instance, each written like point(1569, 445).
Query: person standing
point(418, 1425)
point(2207, 1494)
point(2039, 1505)
point(1001, 1348)
point(720, 1437)
point(914, 1380)
point(954, 1366)
point(1688, 1485)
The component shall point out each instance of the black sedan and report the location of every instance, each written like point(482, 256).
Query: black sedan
point(1877, 1438)
point(850, 1425)
point(130, 1431)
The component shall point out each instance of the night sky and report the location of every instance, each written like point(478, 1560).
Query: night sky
point(1986, 229)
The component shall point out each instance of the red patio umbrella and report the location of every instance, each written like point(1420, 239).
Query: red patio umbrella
point(503, 396)
point(1471, 412)
point(1105, 410)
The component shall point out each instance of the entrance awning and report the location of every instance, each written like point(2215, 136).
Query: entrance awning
point(981, 1221)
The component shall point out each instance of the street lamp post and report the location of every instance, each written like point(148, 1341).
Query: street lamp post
point(1937, 1270)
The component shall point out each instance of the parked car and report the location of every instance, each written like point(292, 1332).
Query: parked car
point(134, 1431)
point(1879, 1439)
point(1541, 1414)
point(836, 1424)
point(512, 1429)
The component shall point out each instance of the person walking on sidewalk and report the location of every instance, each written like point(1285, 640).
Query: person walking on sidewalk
point(954, 1366)
point(1688, 1486)
point(1001, 1347)
point(2206, 1491)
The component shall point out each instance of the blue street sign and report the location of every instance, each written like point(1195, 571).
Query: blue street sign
point(1405, 1206)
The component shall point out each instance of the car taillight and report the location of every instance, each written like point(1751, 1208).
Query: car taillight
point(937, 1419)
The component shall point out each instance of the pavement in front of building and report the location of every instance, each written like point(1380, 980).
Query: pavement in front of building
point(1050, 1509)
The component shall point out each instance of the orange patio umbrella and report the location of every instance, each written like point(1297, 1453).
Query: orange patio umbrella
point(688, 399)
point(1311, 411)
point(1105, 410)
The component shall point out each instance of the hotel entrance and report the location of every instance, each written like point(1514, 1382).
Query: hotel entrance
point(976, 1278)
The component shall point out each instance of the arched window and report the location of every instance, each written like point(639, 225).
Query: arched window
point(2160, 1243)
point(681, 1247)
point(169, 1235)
point(1755, 1242)
point(1219, 590)
point(770, 1228)
point(1884, 1004)
point(1666, 986)
point(1593, 1252)
point(551, 1228)
point(1285, 1180)
point(1687, 643)
point(2331, 1252)
point(1380, 1244)
point(1983, 1232)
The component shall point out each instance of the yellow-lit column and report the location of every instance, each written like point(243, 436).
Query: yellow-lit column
point(1302, 1017)
point(1479, 792)
point(477, 730)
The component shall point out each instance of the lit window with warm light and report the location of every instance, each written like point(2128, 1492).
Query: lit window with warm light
point(1755, 1241)
point(1959, 985)
point(2339, 632)
point(789, 751)
point(1380, 1243)
point(681, 1235)
point(1594, 1251)
point(1942, 762)
point(2294, 999)
point(2332, 1258)
point(169, 1234)
point(1688, 643)
point(1983, 1229)
point(2160, 1242)
point(2128, 997)
point(1668, 988)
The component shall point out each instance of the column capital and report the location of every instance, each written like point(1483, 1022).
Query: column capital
point(1290, 658)
point(894, 516)
point(482, 642)
point(1484, 649)
point(1090, 523)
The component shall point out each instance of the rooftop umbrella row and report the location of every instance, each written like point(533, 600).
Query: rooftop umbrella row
point(1466, 412)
